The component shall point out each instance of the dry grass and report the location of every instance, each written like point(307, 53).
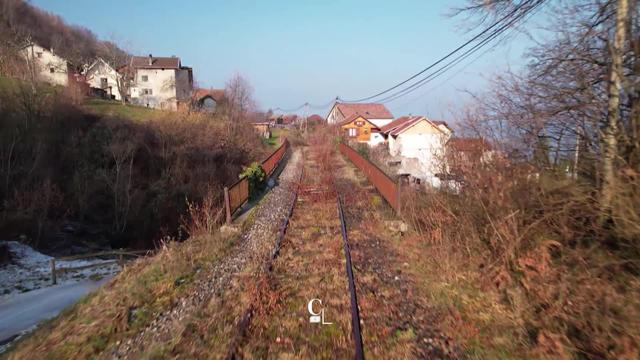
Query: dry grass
point(529, 263)
point(125, 304)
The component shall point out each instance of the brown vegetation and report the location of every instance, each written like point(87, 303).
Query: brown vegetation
point(128, 180)
point(539, 249)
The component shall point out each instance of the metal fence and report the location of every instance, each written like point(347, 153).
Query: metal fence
point(238, 193)
point(271, 162)
point(385, 185)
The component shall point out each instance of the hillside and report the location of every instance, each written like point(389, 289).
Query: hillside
point(21, 22)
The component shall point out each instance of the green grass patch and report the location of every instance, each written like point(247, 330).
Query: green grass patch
point(116, 109)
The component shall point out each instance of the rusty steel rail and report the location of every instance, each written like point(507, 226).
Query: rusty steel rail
point(355, 312)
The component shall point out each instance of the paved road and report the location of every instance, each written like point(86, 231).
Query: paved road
point(22, 311)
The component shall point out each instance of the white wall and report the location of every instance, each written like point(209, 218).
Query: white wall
point(375, 139)
point(380, 122)
point(99, 70)
point(335, 116)
point(162, 84)
point(46, 65)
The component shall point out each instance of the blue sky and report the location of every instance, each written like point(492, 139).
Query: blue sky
point(298, 51)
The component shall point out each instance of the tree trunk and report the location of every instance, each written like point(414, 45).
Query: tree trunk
point(610, 131)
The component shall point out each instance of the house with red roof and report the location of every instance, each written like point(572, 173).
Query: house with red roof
point(207, 99)
point(161, 82)
point(377, 114)
point(419, 144)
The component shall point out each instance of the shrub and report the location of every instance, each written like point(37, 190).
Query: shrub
point(256, 177)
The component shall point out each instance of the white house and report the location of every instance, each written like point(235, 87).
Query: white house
point(161, 82)
point(419, 143)
point(101, 75)
point(45, 65)
point(377, 114)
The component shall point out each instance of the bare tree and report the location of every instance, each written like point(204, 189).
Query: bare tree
point(120, 61)
point(239, 98)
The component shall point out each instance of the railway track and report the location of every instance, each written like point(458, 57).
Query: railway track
point(312, 190)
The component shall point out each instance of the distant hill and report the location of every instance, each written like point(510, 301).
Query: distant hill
point(21, 21)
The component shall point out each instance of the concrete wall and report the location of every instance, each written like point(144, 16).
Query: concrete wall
point(183, 85)
point(46, 66)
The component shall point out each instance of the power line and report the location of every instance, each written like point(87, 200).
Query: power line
point(463, 68)
point(496, 33)
point(479, 35)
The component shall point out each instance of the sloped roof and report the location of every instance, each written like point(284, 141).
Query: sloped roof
point(469, 144)
point(398, 122)
point(142, 62)
point(402, 123)
point(356, 116)
point(368, 110)
point(440, 122)
point(215, 94)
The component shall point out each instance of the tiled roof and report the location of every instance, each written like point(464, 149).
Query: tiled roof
point(215, 94)
point(368, 110)
point(440, 122)
point(469, 144)
point(398, 122)
point(152, 62)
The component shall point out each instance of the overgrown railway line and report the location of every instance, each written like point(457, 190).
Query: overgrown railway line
point(315, 193)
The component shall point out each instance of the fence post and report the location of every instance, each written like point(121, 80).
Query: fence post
point(121, 260)
point(54, 279)
point(227, 205)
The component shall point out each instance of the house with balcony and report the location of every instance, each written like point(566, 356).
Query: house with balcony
point(360, 129)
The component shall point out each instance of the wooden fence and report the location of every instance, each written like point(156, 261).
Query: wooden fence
point(388, 188)
point(238, 193)
point(120, 261)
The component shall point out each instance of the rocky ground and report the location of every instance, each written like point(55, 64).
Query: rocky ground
point(252, 248)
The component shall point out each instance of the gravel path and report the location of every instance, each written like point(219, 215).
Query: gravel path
point(252, 247)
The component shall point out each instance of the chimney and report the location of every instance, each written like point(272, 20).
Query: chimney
point(150, 60)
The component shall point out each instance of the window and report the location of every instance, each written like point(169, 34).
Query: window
point(103, 83)
point(359, 123)
point(39, 54)
point(352, 132)
point(144, 78)
point(52, 70)
point(147, 91)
